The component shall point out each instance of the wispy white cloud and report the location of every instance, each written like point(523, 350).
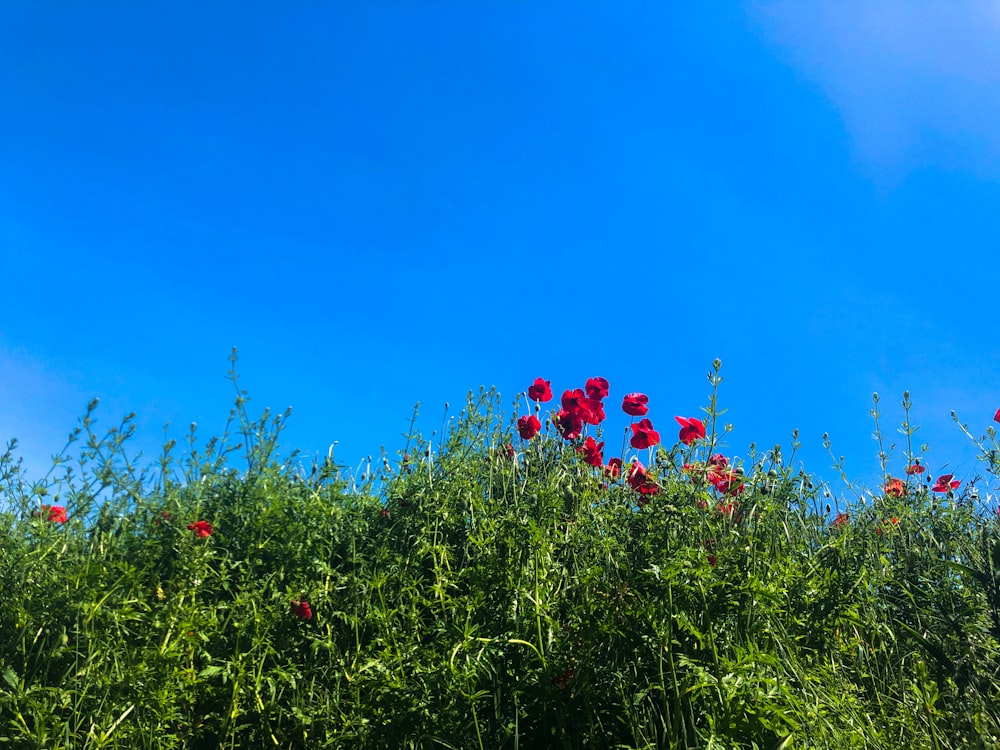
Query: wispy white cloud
point(917, 82)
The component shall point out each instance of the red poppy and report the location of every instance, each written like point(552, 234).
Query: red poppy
point(569, 424)
point(541, 390)
point(895, 488)
point(589, 410)
point(640, 481)
point(614, 468)
point(915, 469)
point(57, 514)
point(712, 559)
point(528, 426)
point(726, 481)
point(730, 509)
point(591, 451)
point(945, 483)
point(841, 520)
point(996, 417)
point(634, 404)
point(302, 610)
point(201, 528)
point(597, 388)
point(719, 461)
point(692, 429)
point(643, 435)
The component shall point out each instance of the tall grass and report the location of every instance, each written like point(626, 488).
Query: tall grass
point(487, 592)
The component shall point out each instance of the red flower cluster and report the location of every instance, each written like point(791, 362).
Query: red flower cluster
point(945, 483)
point(528, 426)
point(302, 610)
point(692, 429)
point(580, 408)
point(201, 529)
point(895, 488)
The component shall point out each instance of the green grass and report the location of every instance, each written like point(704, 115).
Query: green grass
point(467, 599)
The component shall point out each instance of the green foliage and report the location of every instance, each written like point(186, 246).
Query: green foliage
point(466, 598)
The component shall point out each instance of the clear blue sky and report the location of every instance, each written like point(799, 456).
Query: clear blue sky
point(381, 203)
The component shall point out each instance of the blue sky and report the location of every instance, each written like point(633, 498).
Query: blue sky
point(384, 203)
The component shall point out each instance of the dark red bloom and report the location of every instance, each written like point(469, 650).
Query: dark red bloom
point(528, 426)
point(591, 451)
point(643, 435)
point(634, 404)
point(541, 390)
point(640, 481)
point(692, 429)
point(915, 469)
point(614, 468)
point(726, 481)
point(597, 388)
point(569, 424)
point(841, 520)
point(945, 483)
point(302, 610)
point(57, 514)
point(895, 488)
point(589, 410)
point(201, 528)
point(996, 417)
point(712, 560)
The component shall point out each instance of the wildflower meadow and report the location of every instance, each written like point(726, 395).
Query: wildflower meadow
point(519, 578)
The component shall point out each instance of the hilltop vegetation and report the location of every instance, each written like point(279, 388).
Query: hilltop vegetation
point(513, 587)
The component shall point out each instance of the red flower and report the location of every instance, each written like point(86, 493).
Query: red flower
point(996, 417)
point(640, 481)
point(528, 426)
point(302, 610)
point(915, 469)
point(634, 404)
point(57, 514)
point(895, 488)
point(726, 481)
point(597, 388)
point(614, 468)
point(541, 390)
point(841, 520)
point(201, 528)
point(712, 560)
point(643, 435)
point(944, 483)
point(692, 429)
point(731, 509)
point(591, 451)
point(569, 424)
point(719, 461)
